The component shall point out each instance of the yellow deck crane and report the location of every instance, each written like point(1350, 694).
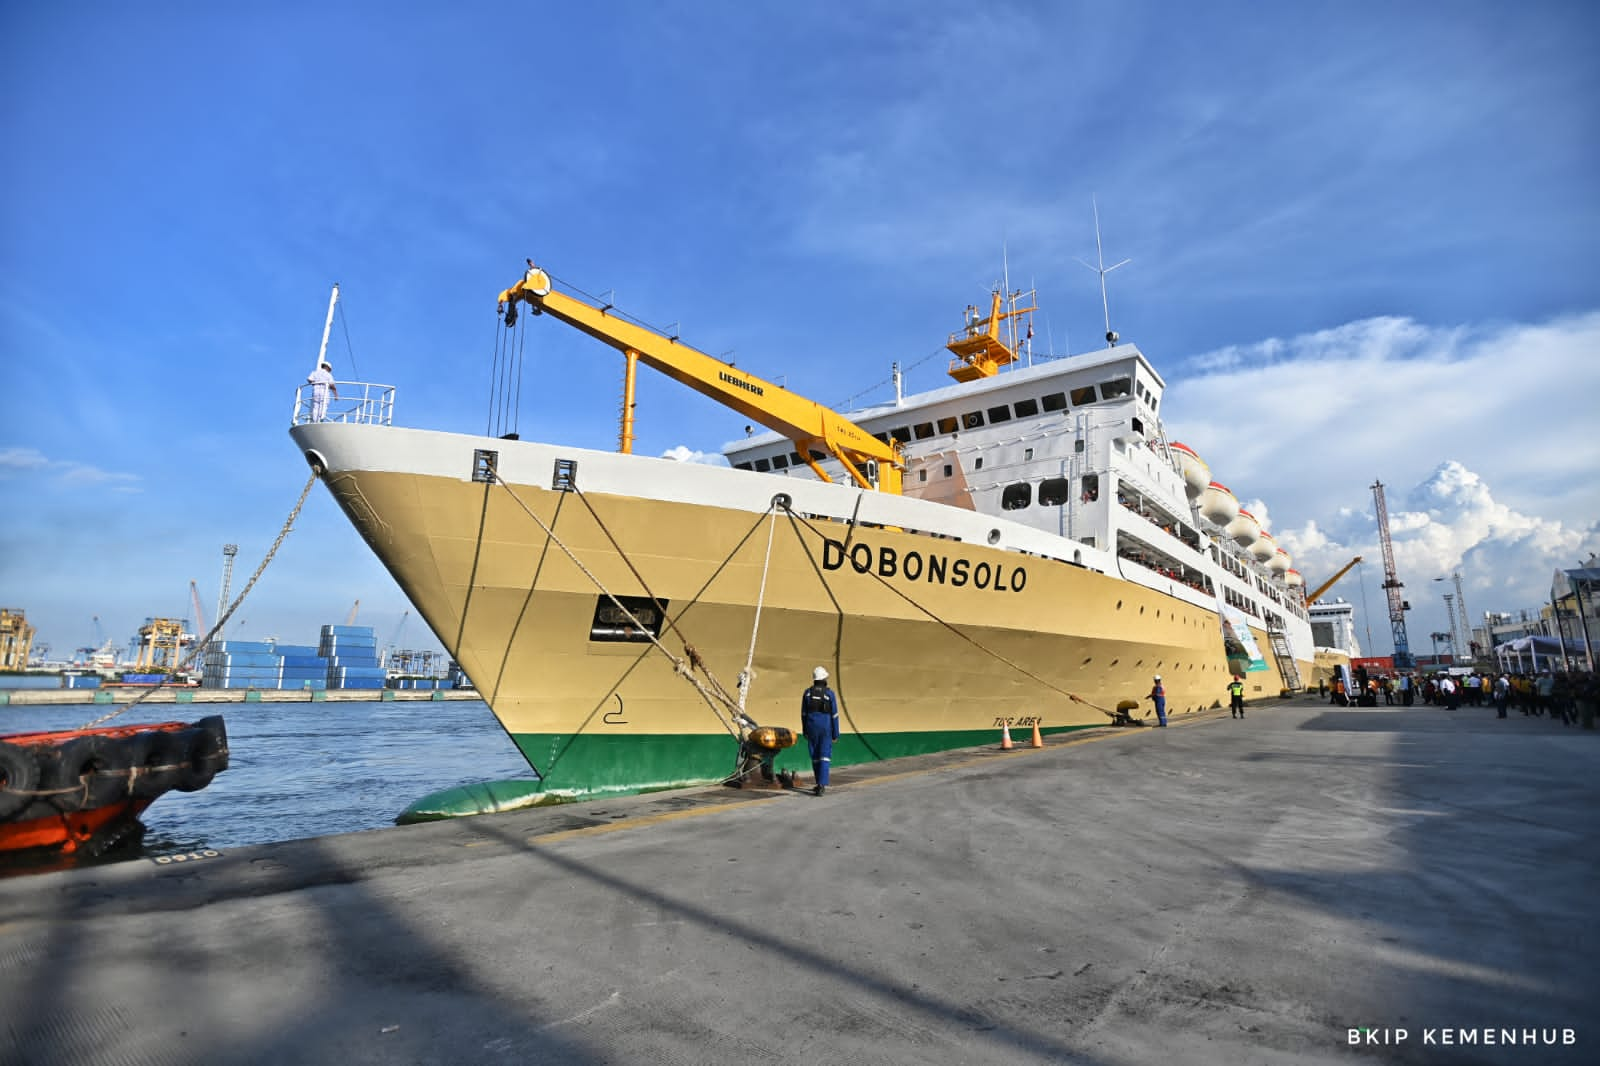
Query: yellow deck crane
point(1328, 584)
point(815, 430)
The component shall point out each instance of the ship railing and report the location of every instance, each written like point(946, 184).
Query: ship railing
point(358, 402)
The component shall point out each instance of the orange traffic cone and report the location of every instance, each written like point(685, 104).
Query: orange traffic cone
point(1005, 738)
point(1037, 741)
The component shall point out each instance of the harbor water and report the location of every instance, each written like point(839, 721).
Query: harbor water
point(300, 770)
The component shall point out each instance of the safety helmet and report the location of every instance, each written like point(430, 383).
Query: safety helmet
point(1158, 677)
point(819, 674)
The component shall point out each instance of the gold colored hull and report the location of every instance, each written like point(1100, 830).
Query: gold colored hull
point(930, 642)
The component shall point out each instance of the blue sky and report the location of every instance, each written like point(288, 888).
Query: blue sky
point(1364, 244)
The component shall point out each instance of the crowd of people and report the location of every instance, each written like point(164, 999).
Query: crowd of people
point(1558, 694)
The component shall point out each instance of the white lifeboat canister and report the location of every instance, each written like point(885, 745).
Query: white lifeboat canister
point(1196, 474)
point(1244, 529)
point(1264, 548)
point(1279, 563)
point(1294, 580)
point(1218, 505)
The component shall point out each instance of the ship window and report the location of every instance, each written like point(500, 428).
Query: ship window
point(1077, 445)
point(1083, 396)
point(1027, 453)
point(1140, 387)
point(882, 436)
point(1053, 491)
point(972, 419)
point(742, 466)
point(794, 458)
point(1153, 401)
point(948, 425)
point(1115, 388)
point(779, 462)
point(817, 456)
point(1026, 408)
point(1016, 497)
point(999, 414)
point(763, 466)
point(1056, 401)
point(1088, 542)
point(612, 624)
point(901, 434)
point(922, 475)
point(923, 430)
point(1091, 488)
point(947, 470)
point(977, 464)
point(1138, 426)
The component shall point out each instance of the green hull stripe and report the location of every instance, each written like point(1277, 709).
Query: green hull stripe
point(591, 765)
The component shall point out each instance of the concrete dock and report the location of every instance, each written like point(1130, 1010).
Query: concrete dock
point(1219, 891)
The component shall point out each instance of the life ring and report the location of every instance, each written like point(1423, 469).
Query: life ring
point(18, 775)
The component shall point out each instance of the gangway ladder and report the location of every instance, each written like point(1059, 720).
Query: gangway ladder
point(1287, 668)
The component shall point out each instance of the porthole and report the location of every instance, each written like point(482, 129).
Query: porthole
point(1119, 605)
point(994, 536)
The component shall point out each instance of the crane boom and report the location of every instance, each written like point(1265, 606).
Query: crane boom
point(809, 424)
point(1328, 584)
point(1403, 659)
point(199, 616)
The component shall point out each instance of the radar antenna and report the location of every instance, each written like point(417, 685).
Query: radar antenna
point(1103, 270)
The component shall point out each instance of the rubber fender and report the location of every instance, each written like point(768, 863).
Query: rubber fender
point(73, 772)
point(197, 769)
point(18, 776)
point(210, 750)
point(156, 760)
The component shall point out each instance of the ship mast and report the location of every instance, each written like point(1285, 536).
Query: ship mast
point(1103, 270)
point(327, 327)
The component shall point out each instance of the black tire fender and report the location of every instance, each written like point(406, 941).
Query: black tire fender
point(18, 777)
point(157, 760)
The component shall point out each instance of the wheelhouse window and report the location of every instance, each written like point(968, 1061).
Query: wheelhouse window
point(1016, 497)
point(742, 466)
point(1115, 389)
point(972, 419)
point(1083, 396)
point(780, 462)
point(999, 414)
point(1056, 401)
point(922, 430)
point(1026, 408)
point(901, 434)
point(949, 425)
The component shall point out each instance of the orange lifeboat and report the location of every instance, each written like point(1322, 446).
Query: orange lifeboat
point(1264, 548)
point(1196, 474)
point(1244, 529)
point(1218, 504)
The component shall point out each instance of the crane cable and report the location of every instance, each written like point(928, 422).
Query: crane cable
point(201, 644)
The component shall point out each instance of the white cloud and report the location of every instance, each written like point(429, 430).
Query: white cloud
point(1481, 435)
point(20, 461)
point(685, 454)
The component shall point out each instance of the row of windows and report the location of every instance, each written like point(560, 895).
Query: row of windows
point(1115, 389)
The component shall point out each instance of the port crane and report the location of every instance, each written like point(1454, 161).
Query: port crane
point(815, 430)
point(1328, 584)
point(1392, 585)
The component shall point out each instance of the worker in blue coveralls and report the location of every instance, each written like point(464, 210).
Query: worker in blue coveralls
point(1159, 695)
point(819, 720)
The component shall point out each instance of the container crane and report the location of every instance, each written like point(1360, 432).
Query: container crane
point(355, 608)
point(1392, 585)
point(1328, 584)
point(870, 462)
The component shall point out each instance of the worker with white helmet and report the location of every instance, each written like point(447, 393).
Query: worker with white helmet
point(321, 382)
point(1159, 695)
point(819, 721)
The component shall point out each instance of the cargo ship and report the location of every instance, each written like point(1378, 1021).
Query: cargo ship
point(1022, 547)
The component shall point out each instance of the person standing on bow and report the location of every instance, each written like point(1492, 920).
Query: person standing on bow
point(321, 382)
point(1159, 695)
point(819, 721)
point(1236, 697)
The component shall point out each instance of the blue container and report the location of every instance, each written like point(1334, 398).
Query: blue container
point(82, 681)
point(297, 649)
point(257, 646)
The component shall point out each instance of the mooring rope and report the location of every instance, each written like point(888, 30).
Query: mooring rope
point(201, 644)
point(683, 666)
point(748, 674)
point(1024, 671)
